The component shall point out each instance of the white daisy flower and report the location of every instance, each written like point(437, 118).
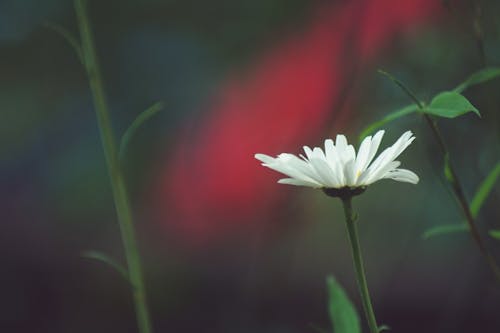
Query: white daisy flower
point(339, 168)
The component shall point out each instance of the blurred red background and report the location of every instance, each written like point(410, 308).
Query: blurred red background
point(225, 248)
point(296, 92)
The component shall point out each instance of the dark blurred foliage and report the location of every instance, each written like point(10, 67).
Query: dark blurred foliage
point(56, 202)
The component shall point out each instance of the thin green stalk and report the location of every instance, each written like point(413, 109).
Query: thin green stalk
point(452, 178)
point(352, 230)
point(410, 94)
point(113, 163)
point(478, 32)
point(462, 200)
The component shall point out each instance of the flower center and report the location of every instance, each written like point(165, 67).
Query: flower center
point(344, 192)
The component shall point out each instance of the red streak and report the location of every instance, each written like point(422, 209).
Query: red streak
point(213, 185)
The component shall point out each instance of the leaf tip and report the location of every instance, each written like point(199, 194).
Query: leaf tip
point(494, 233)
point(383, 328)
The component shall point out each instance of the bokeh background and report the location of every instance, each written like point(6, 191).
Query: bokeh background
point(225, 248)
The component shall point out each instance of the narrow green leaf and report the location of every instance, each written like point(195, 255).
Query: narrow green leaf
point(447, 169)
point(450, 104)
point(477, 201)
point(343, 314)
point(388, 118)
point(141, 118)
point(68, 36)
point(384, 328)
point(495, 233)
point(444, 230)
point(484, 190)
point(478, 77)
point(104, 258)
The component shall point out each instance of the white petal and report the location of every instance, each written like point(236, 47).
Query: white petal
point(350, 173)
point(369, 177)
point(390, 154)
point(329, 148)
point(363, 154)
point(377, 138)
point(345, 151)
point(264, 158)
point(318, 153)
point(349, 154)
point(383, 159)
point(402, 143)
point(334, 161)
point(308, 151)
point(325, 172)
point(297, 182)
point(403, 175)
point(294, 167)
point(341, 143)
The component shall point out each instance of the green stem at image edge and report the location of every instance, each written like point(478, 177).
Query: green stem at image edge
point(352, 230)
point(451, 175)
point(115, 172)
point(457, 188)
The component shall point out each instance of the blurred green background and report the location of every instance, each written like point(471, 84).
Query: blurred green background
point(56, 201)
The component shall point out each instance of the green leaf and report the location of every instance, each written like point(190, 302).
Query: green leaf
point(478, 77)
point(343, 314)
point(477, 201)
point(447, 169)
point(409, 109)
point(495, 233)
point(384, 328)
point(445, 229)
point(141, 118)
point(450, 104)
point(104, 258)
point(484, 190)
point(68, 36)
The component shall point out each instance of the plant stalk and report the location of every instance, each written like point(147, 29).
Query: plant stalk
point(120, 194)
point(453, 178)
point(352, 230)
point(462, 200)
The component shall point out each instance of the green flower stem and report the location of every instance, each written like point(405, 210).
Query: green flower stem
point(462, 200)
point(115, 172)
point(352, 230)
